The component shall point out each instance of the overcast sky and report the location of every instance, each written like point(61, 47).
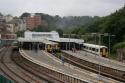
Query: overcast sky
point(61, 7)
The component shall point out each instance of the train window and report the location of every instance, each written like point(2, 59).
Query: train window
point(93, 49)
point(90, 48)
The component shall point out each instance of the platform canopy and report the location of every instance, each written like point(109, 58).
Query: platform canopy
point(79, 41)
point(40, 40)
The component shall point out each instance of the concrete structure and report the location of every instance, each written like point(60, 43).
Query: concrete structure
point(52, 36)
point(8, 18)
point(2, 25)
point(8, 36)
point(47, 60)
point(20, 24)
point(97, 59)
point(64, 43)
point(16, 25)
point(2, 19)
point(48, 35)
point(10, 27)
point(32, 21)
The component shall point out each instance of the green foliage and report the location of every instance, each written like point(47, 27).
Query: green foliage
point(119, 45)
point(75, 21)
point(25, 15)
point(41, 29)
point(51, 20)
point(112, 24)
point(20, 33)
point(115, 24)
point(68, 21)
point(63, 24)
point(60, 31)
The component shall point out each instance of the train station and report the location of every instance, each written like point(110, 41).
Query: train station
point(65, 58)
point(73, 41)
point(49, 41)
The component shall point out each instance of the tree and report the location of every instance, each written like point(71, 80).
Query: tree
point(1, 14)
point(25, 15)
point(41, 29)
point(60, 32)
point(20, 33)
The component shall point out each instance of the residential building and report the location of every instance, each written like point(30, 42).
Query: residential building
point(8, 18)
point(32, 21)
point(16, 25)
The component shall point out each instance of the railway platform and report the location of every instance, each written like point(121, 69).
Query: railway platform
point(43, 59)
point(97, 59)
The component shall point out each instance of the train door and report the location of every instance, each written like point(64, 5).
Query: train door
point(103, 52)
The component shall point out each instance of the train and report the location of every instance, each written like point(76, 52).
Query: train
point(52, 47)
point(47, 46)
point(96, 49)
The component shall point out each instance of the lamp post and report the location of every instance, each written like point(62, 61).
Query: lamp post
point(99, 54)
point(110, 42)
point(94, 35)
point(69, 42)
point(65, 43)
point(73, 36)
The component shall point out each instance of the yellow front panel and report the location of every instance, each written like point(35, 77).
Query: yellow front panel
point(48, 46)
point(56, 46)
point(104, 51)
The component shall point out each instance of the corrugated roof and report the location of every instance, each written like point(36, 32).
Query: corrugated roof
point(36, 40)
point(71, 40)
point(93, 45)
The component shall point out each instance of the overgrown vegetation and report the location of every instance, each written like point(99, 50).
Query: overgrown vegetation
point(113, 24)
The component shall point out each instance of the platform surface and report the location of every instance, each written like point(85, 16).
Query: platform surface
point(98, 59)
point(42, 57)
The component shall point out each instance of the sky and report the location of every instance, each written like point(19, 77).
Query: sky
point(61, 7)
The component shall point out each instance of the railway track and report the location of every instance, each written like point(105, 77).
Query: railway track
point(32, 68)
point(59, 77)
point(109, 72)
point(14, 72)
point(6, 70)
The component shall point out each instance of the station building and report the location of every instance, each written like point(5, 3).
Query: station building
point(47, 40)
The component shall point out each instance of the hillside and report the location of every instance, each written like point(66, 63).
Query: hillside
point(113, 24)
point(64, 22)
